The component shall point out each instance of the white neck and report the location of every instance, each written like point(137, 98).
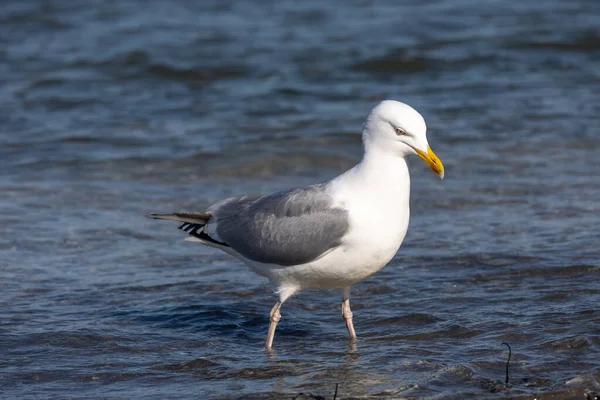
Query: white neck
point(380, 173)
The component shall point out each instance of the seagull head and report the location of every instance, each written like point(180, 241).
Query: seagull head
point(398, 128)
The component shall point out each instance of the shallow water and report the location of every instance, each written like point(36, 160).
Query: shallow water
point(112, 110)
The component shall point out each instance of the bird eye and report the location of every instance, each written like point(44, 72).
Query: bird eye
point(400, 131)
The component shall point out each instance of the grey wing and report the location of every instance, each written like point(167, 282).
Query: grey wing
point(286, 228)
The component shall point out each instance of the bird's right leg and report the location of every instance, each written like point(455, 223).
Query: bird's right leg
point(284, 293)
point(347, 314)
point(275, 316)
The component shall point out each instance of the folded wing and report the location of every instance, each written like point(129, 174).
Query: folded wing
point(286, 228)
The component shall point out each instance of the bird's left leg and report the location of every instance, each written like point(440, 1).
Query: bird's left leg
point(347, 313)
point(274, 316)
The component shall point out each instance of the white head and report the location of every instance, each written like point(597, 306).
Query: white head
point(397, 128)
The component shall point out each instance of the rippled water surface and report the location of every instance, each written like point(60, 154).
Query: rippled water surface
point(111, 110)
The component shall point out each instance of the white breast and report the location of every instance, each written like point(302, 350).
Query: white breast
point(375, 235)
point(379, 221)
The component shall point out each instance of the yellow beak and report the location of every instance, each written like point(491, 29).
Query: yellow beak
point(432, 160)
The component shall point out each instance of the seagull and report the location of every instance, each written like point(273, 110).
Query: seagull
point(329, 235)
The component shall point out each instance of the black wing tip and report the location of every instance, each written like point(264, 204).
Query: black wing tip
point(186, 226)
point(195, 230)
point(191, 228)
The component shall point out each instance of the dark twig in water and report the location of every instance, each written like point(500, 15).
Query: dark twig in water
point(591, 396)
point(507, 361)
point(316, 397)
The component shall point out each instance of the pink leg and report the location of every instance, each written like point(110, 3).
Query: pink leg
point(275, 317)
point(347, 314)
point(284, 293)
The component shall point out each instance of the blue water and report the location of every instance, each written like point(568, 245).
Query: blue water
point(112, 110)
